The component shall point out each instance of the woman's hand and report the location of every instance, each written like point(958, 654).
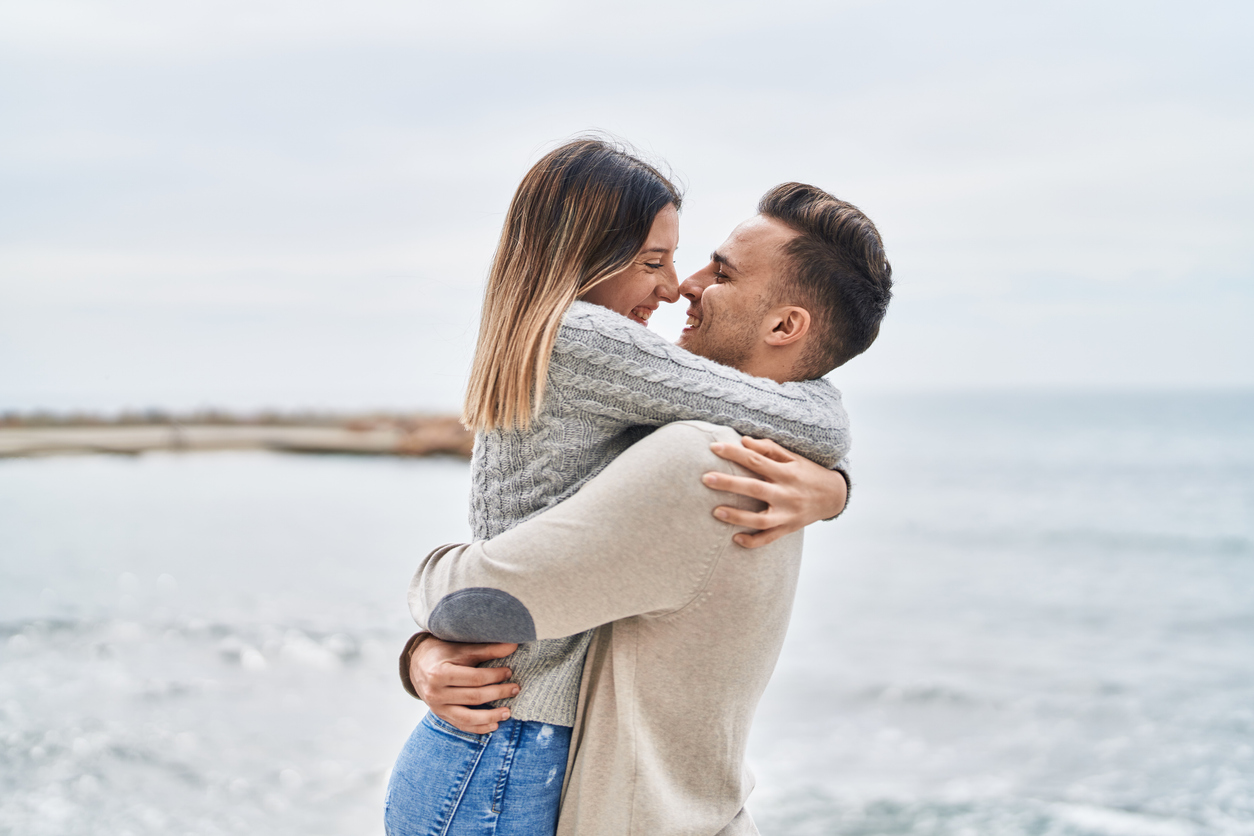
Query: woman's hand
point(446, 677)
point(796, 491)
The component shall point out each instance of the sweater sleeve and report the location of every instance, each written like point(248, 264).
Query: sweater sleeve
point(640, 539)
point(607, 365)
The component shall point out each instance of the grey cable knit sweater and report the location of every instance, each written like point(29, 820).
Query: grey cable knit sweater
point(612, 381)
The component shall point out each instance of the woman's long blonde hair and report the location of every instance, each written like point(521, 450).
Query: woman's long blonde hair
point(579, 216)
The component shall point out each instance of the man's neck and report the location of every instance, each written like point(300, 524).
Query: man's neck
point(774, 364)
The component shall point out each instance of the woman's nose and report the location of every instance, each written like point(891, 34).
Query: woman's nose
point(668, 287)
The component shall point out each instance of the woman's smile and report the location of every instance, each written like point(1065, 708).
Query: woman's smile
point(641, 314)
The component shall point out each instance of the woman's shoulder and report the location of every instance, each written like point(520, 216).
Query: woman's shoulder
point(597, 338)
point(585, 316)
point(594, 326)
point(594, 337)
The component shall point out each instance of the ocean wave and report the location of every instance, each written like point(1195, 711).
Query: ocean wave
point(1096, 539)
point(815, 811)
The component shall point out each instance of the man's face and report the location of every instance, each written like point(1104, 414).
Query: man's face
point(732, 294)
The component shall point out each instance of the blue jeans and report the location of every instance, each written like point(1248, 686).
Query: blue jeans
point(448, 782)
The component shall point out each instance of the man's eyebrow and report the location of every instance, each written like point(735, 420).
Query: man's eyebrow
point(718, 257)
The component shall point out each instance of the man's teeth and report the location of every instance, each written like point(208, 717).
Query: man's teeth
point(693, 322)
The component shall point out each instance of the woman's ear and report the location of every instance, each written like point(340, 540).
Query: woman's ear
point(787, 325)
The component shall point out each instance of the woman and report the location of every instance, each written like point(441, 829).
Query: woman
point(566, 376)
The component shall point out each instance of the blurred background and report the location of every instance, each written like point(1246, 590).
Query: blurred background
point(1045, 607)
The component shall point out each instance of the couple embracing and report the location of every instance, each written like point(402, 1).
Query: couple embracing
point(601, 646)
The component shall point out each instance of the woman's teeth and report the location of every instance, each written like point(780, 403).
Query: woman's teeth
point(642, 314)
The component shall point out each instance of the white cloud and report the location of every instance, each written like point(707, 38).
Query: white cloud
point(266, 165)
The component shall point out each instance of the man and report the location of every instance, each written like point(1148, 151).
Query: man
point(691, 625)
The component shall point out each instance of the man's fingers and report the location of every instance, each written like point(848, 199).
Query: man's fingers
point(463, 717)
point(450, 675)
point(482, 729)
point(743, 485)
point(475, 721)
point(474, 654)
point(770, 449)
point(477, 696)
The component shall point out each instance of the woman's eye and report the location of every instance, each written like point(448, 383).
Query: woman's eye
point(657, 266)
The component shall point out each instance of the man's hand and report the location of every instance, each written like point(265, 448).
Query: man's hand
point(796, 491)
point(446, 677)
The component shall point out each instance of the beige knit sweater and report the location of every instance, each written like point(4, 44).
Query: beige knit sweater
point(689, 628)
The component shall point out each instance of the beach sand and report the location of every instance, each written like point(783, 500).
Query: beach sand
point(412, 437)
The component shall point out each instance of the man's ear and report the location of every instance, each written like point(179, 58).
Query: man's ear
point(786, 325)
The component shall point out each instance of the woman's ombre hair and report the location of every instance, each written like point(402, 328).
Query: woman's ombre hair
point(579, 216)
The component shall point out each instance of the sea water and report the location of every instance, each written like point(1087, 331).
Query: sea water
point(1036, 617)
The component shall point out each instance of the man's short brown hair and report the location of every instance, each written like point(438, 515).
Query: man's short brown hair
point(836, 270)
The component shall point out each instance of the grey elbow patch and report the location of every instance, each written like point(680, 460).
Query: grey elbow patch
point(482, 614)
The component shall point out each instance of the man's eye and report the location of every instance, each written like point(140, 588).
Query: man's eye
point(720, 275)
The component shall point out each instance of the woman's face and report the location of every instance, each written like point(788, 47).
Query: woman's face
point(650, 279)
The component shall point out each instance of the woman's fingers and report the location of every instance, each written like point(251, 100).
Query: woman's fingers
point(760, 538)
point(769, 449)
point(757, 520)
point(796, 490)
point(749, 459)
point(787, 487)
point(743, 485)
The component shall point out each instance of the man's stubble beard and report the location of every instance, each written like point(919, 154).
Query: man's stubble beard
point(730, 341)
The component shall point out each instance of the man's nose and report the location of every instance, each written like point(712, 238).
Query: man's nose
point(693, 286)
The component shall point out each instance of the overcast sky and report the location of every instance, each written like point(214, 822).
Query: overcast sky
point(251, 203)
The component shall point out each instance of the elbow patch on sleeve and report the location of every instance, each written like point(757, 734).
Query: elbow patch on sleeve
point(482, 614)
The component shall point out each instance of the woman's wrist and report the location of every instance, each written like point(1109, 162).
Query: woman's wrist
point(840, 496)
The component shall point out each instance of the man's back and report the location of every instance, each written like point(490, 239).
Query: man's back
point(690, 628)
point(667, 699)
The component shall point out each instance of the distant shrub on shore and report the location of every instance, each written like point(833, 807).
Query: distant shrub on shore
point(218, 417)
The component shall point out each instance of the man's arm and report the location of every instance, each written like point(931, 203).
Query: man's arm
point(796, 492)
point(638, 539)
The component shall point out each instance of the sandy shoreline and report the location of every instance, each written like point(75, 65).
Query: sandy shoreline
point(421, 437)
